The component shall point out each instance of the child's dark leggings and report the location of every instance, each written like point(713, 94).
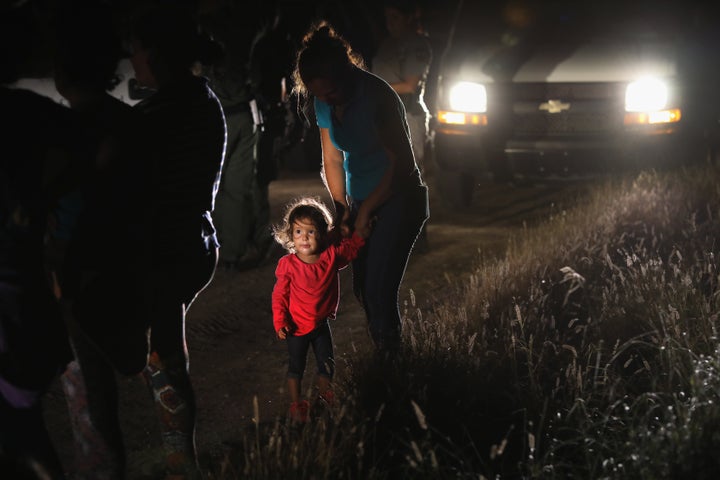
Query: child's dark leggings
point(321, 341)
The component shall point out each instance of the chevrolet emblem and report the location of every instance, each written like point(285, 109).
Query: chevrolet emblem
point(554, 106)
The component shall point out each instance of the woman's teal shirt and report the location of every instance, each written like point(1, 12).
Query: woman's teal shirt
point(357, 134)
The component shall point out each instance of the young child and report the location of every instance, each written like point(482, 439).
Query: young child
point(306, 294)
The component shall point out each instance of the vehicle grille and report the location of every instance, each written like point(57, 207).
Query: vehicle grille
point(593, 109)
point(566, 124)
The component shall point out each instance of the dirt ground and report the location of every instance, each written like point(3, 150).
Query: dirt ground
point(234, 356)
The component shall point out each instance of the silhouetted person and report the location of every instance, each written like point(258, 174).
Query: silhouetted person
point(96, 264)
point(235, 211)
point(33, 339)
point(403, 60)
point(186, 134)
point(271, 65)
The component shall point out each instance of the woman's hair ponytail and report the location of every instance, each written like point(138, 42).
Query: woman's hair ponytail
point(324, 53)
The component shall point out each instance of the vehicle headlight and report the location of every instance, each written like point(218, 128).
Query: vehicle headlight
point(468, 97)
point(646, 95)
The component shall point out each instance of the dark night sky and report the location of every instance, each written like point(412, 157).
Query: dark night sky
point(361, 21)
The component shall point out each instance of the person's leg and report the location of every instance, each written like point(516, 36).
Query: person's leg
point(25, 443)
point(167, 373)
point(322, 344)
point(262, 232)
point(297, 351)
point(91, 396)
point(359, 268)
point(323, 384)
point(387, 251)
point(294, 388)
point(234, 208)
point(175, 406)
point(168, 379)
point(297, 358)
point(106, 339)
point(32, 356)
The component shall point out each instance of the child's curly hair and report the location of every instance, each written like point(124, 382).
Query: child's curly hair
point(304, 208)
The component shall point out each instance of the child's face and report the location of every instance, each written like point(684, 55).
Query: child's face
point(306, 237)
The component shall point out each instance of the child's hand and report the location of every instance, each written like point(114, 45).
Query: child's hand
point(283, 333)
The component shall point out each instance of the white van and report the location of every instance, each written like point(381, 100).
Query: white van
point(574, 86)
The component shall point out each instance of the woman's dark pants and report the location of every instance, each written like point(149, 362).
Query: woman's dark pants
point(379, 269)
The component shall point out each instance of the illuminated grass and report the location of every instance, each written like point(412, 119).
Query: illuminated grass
point(590, 350)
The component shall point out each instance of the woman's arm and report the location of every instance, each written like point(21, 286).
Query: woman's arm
point(334, 177)
point(390, 124)
point(377, 197)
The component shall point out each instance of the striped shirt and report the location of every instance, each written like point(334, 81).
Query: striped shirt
point(185, 134)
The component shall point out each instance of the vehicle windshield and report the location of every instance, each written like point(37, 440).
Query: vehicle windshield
point(516, 21)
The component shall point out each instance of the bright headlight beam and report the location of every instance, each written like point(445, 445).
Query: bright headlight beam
point(646, 95)
point(468, 97)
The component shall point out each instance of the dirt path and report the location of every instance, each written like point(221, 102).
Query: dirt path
point(234, 355)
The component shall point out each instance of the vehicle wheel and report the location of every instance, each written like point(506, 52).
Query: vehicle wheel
point(456, 188)
point(501, 169)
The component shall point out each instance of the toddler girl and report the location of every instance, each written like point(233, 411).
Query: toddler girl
point(306, 294)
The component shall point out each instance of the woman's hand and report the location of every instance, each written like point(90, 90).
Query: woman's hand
point(345, 229)
point(342, 219)
point(333, 236)
point(363, 223)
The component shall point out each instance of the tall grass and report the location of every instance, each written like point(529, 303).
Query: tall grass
point(590, 350)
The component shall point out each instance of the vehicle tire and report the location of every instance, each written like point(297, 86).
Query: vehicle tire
point(455, 185)
point(501, 168)
point(456, 188)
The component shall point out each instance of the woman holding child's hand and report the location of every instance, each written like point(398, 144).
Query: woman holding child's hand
point(369, 170)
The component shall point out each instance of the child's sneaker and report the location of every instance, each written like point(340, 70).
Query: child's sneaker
point(300, 411)
point(327, 398)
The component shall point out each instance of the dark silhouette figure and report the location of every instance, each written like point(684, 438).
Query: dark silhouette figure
point(92, 254)
point(241, 230)
point(36, 143)
point(403, 60)
point(271, 64)
point(185, 131)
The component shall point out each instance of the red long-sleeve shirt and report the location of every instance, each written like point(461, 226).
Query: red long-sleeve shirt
point(307, 293)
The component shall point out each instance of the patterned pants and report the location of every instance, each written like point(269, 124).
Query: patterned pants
point(175, 408)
